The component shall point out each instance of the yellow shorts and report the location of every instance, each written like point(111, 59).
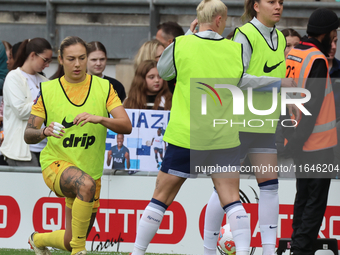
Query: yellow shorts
point(51, 176)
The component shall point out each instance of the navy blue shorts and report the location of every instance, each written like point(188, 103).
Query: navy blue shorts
point(188, 163)
point(160, 150)
point(257, 143)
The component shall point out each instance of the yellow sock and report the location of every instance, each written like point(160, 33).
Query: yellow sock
point(81, 216)
point(54, 239)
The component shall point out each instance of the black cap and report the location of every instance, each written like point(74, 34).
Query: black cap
point(322, 21)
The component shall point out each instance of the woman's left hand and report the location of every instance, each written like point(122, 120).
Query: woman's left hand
point(85, 117)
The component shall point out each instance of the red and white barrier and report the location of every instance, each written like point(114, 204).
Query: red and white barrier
point(25, 206)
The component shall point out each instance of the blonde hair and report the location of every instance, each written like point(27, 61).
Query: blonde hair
point(147, 52)
point(207, 10)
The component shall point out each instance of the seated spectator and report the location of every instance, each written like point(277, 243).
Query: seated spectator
point(96, 63)
point(148, 90)
point(21, 88)
point(150, 50)
point(167, 32)
point(10, 60)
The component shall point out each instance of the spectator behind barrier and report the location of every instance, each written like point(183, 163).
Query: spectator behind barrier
point(15, 49)
point(334, 71)
point(3, 66)
point(96, 63)
point(2, 160)
point(292, 37)
point(10, 60)
point(21, 88)
point(148, 90)
point(168, 31)
point(166, 34)
point(150, 50)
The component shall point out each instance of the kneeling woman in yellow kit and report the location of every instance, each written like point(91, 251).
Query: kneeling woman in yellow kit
point(72, 162)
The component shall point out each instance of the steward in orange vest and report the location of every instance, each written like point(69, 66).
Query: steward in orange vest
point(312, 141)
point(318, 131)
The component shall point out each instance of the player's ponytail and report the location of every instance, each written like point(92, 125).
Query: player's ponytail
point(249, 11)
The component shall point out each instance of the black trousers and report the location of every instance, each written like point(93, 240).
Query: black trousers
point(310, 201)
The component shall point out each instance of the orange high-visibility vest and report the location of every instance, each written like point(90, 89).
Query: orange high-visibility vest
point(299, 63)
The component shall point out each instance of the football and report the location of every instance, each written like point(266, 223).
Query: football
point(225, 242)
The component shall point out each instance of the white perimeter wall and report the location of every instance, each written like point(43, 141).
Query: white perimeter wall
point(25, 206)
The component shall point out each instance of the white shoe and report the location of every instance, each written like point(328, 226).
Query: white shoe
point(81, 252)
point(38, 250)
